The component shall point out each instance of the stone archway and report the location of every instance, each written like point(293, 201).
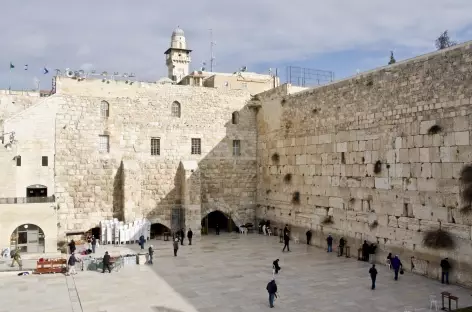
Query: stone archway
point(158, 230)
point(218, 218)
point(29, 238)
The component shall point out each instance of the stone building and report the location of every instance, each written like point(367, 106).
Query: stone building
point(100, 148)
point(374, 157)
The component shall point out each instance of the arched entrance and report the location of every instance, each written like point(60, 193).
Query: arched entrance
point(29, 238)
point(158, 230)
point(225, 222)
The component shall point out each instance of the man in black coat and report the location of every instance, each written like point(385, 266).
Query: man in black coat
point(189, 236)
point(365, 251)
point(106, 262)
point(373, 275)
point(182, 236)
point(445, 266)
point(276, 266)
point(308, 237)
point(272, 289)
point(286, 238)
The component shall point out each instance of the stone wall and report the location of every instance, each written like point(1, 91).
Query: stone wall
point(34, 138)
point(92, 186)
point(329, 139)
point(13, 102)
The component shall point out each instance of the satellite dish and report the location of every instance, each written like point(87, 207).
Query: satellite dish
point(125, 75)
point(81, 72)
point(70, 73)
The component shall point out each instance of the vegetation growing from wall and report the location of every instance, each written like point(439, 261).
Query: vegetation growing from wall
point(275, 158)
point(438, 239)
point(378, 167)
point(288, 178)
point(327, 220)
point(374, 225)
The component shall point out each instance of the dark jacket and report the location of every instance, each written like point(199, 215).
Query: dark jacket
point(373, 272)
point(272, 287)
point(182, 233)
point(94, 241)
point(445, 266)
point(151, 251)
point(176, 245)
point(372, 249)
point(396, 263)
point(308, 234)
point(342, 242)
point(72, 260)
point(329, 240)
point(106, 259)
point(276, 264)
point(286, 231)
point(189, 234)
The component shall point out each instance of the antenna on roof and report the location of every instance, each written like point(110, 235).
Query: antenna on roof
point(212, 44)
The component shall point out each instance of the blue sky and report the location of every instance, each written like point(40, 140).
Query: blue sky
point(119, 35)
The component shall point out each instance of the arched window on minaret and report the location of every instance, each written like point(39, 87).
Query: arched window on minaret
point(175, 109)
point(235, 118)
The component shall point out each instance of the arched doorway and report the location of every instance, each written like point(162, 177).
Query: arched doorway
point(158, 230)
point(225, 222)
point(29, 238)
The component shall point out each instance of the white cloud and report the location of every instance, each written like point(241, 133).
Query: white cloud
point(128, 36)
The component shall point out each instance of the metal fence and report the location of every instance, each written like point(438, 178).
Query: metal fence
point(27, 200)
point(308, 77)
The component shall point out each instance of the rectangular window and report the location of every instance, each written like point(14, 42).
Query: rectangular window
point(155, 146)
point(44, 161)
point(104, 144)
point(236, 147)
point(196, 146)
point(18, 161)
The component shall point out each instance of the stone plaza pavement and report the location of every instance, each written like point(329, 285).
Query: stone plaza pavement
point(225, 273)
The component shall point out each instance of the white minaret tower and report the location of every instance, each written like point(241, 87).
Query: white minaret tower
point(178, 56)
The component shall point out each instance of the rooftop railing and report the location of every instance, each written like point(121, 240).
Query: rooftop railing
point(27, 200)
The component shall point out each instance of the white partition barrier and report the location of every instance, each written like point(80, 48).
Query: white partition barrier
point(109, 231)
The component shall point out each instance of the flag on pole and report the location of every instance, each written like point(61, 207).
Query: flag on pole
point(45, 70)
point(26, 66)
point(11, 65)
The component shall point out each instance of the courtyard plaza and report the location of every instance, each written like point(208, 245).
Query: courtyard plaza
point(228, 272)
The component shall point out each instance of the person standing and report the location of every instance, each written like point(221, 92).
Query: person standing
point(71, 263)
point(141, 241)
point(189, 236)
point(107, 262)
point(445, 266)
point(365, 251)
point(396, 265)
point(286, 240)
point(217, 229)
point(71, 246)
point(329, 240)
point(182, 236)
point(373, 275)
point(176, 246)
point(308, 237)
point(272, 289)
point(16, 258)
point(151, 252)
point(94, 244)
point(342, 242)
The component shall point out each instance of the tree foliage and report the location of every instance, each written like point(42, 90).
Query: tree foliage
point(444, 41)
point(392, 59)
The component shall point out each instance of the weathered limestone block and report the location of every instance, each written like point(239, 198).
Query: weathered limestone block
point(458, 230)
point(428, 225)
point(423, 212)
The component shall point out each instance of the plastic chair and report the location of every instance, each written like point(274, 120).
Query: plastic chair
point(296, 239)
point(433, 302)
point(388, 264)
